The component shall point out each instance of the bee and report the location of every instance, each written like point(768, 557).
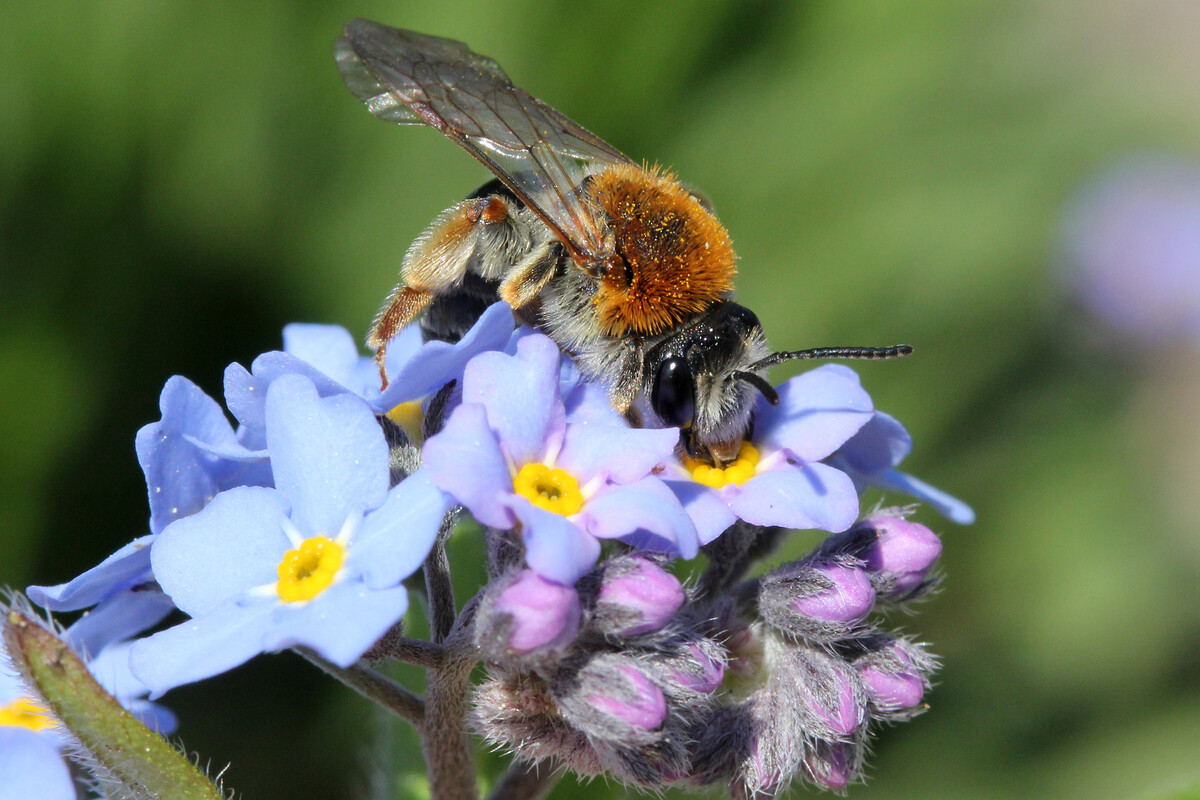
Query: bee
point(620, 264)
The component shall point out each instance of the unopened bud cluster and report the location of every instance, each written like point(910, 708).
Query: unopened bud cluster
point(774, 679)
point(622, 677)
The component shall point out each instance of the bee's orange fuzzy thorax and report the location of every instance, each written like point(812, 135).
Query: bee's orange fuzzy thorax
point(673, 258)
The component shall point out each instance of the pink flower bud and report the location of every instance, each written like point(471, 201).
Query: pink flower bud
point(893, 677)
point(704, 674)
point(830, 765)
point(847, 601)
point(834, 702)
point(544, 614)
point(634, 699)
point(640, 595)
point(903, 552)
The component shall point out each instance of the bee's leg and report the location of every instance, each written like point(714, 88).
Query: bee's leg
point(435, 262)
point(403, 305)
point(527, 279)
point(628, 382)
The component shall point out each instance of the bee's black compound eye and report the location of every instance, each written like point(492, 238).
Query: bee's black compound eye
point(674, 394)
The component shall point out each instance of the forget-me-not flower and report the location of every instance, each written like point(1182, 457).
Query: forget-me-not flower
point(510, 455)
point(778, 477)
point(316, 561)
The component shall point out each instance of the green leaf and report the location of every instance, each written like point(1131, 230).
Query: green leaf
point(113, 744)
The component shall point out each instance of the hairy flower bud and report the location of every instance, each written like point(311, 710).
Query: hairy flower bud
point(817, 600)
point(894, 674)
point(638, 728)
point(831, 691)
point(636, 596)
point(523, 613)
point(833, 765)
point(900, 556)
point(700, 669)
point(515, 712)
point(614, 694)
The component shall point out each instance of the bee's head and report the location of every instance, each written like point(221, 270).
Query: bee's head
point(705, 378)
point(702, 379)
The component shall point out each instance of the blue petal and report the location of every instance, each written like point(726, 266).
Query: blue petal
point(948, 506)
point(32, 767)
point(329, 455)
point(622, 453)
point(464, 459)
point(645, 513)
point(797, 496)
point(246, 392)
point(229, 452)
point(589, 402)
point(227, 636)
point(121, 616)
point(706, 508)
point(880, 444)
point(340, 623)
point(232, 545)
point(180, 478)
point(818, 411)
point(555, 547)
point(11, 686)
point(128, 566)
point(395, 538)
point(437, 362)
point(520, 394)
point(246, 398)
point(329, 348)
point(111, 669)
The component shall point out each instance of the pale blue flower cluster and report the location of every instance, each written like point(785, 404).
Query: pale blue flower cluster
point(296, 525)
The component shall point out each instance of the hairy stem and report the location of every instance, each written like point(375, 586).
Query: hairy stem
point(376, 687)
point(397, 646)
point(448, 753)
point(438, 587)
point(731, 555)
point(525, 781)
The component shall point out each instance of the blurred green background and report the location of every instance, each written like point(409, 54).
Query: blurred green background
point(180, 179)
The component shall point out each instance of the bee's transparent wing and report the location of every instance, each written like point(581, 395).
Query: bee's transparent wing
point(410, 78)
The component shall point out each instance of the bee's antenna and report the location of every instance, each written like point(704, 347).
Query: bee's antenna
point(867, 353)
point(760, 383)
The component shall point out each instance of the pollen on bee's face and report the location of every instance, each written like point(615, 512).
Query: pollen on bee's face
point(549, 488)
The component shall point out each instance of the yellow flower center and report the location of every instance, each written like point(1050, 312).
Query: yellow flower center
point(551, 489)
point(309, 569)
point(408, 417)
point(25, 713)
point(741, 470)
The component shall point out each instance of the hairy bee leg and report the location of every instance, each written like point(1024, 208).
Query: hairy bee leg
point(628, 382)
point(436, 261)
point(527, 279)
point(403, 305)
